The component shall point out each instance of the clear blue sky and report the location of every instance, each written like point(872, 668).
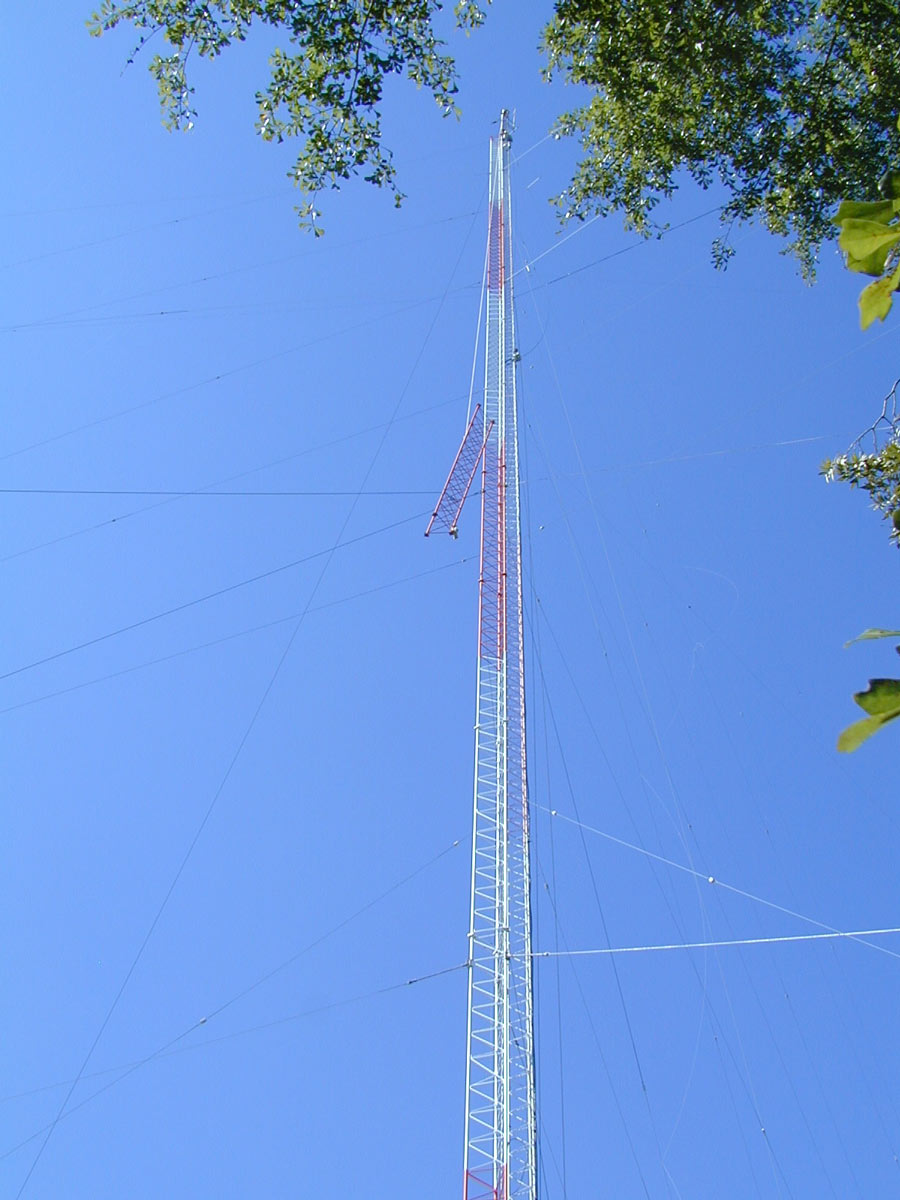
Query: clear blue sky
point(167, 329)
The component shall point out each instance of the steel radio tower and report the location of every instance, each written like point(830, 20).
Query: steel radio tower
point(500, 1160)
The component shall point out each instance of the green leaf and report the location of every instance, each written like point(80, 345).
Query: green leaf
point(872, 210)
point(867, 244)
point(868, 635)
point(854, 735)
point(881, 698)
point(889, 184)
point(875, 300)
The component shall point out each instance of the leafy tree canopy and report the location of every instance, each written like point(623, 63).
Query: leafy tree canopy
point(790, 104)
point(325, 87)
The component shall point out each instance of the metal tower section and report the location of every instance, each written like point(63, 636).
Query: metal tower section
point(501, 1123)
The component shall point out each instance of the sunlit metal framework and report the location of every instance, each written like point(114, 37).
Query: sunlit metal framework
point(501, 1123)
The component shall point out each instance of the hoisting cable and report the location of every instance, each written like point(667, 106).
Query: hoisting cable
point(830, 930)
point(217, 378)
point(615, 253)
point(757, 941)
point(170, 1048)
point(59, 318)
point(229, 637)
point(481, 295)
point(556, 245)
point(322, 937)
point(231, 587)
point(598, 1041)
point(182, 495)
point(203, 488)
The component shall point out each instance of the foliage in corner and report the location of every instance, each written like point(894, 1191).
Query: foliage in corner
point(870, 239)
point(787, 104)
point(325, 87)
point(877, 473)
point(880, 700)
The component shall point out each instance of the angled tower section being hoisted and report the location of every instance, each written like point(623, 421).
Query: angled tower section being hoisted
point(501, 1123)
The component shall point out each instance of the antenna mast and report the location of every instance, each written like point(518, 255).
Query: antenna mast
point(500, 1160)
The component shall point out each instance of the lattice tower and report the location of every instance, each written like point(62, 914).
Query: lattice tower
point(501, 1124)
